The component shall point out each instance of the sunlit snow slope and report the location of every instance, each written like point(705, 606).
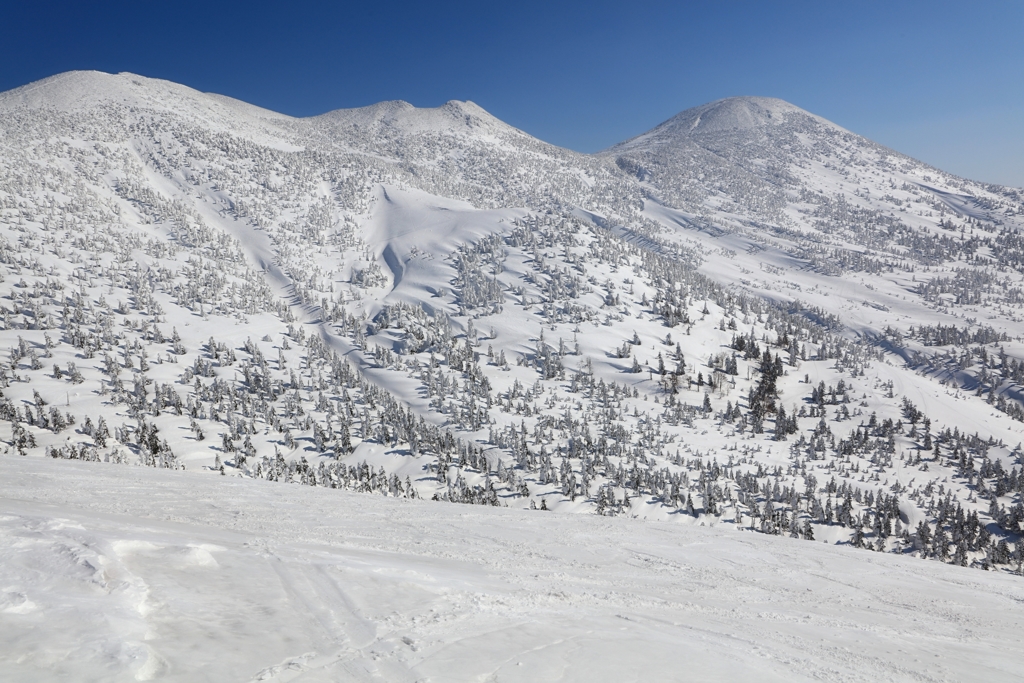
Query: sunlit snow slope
point(121, 574)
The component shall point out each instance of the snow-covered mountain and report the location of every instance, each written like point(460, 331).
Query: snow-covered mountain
point(747, 317)
point(804, 192)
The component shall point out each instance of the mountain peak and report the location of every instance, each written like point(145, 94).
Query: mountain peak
point(452, 116)
point(70, 90)
point(78, 91)
point(725, 116)
point(737, 113)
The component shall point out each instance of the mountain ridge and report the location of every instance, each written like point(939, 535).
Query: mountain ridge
point(76, 89)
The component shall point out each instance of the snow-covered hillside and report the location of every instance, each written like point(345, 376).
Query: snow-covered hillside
point(122, 574)
point(746, 318)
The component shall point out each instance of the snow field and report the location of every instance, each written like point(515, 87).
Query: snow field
point(113, 574)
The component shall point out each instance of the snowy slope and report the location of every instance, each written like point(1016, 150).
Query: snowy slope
point(804, 197)
point(747, 318)
point(120, 574)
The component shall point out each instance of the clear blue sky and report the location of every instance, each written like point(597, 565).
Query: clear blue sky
point(941, 81)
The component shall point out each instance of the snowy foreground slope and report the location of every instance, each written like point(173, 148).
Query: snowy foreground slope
point(748, 318)
point(120, 574)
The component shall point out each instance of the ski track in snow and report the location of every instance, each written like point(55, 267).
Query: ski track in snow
point(118, 573)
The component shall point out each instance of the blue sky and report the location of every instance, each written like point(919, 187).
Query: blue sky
point(941, 81)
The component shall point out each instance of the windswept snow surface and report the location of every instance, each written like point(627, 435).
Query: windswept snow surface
point(124, 573)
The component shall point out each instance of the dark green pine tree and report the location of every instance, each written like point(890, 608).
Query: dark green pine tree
point(858, 536)
point(940, 543)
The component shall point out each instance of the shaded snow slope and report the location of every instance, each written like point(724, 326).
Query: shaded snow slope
point(120, 574)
